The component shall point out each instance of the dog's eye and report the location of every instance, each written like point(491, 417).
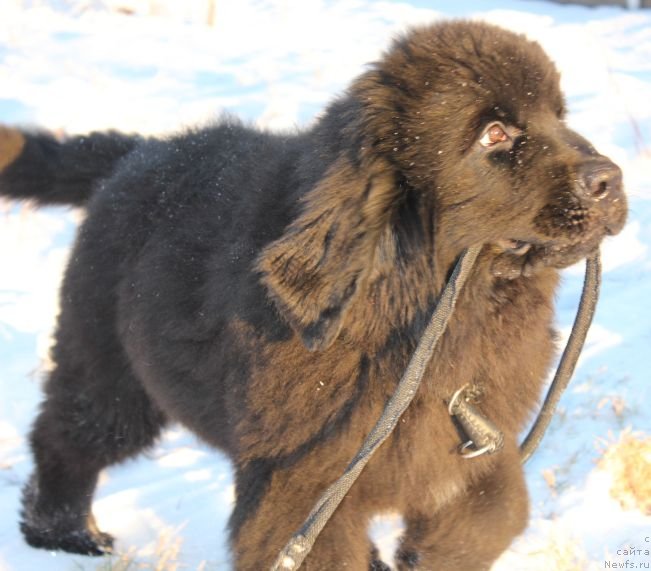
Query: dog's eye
point(493, 135)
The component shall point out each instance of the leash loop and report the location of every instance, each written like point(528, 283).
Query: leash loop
point(567, 363)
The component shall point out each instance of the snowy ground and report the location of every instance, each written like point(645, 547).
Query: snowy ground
point(76, 66)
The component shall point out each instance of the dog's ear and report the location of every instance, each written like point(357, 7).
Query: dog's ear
point(315, 269)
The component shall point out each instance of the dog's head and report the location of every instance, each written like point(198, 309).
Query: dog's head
point(478, 118)
point(469, 118)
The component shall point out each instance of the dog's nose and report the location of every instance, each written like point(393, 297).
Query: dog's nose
point(597, 180)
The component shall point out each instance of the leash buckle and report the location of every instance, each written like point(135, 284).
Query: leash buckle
point(483, 436)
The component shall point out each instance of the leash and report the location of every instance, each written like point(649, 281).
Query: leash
point(582, 321)
point(293, 554)
point(484, 437)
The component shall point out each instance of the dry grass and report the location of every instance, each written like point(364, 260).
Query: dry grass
point(549, 475)
point(628, 460)
point(164, 558)
point(557, 477)
point(617, 404)
point(561, 554)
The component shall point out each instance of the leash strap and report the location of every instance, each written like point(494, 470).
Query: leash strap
point(566, 365)
point(293, 554)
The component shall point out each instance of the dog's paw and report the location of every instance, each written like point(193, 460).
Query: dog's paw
point(81, 541)
point(407, 559)
point(62, 529)
point(12, 142)
point(377, 565)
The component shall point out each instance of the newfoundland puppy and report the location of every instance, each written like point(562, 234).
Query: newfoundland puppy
point(266, 290)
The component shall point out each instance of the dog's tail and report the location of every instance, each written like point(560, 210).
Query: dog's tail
point(37, 166)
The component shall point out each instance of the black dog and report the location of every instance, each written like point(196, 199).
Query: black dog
point(267, 292)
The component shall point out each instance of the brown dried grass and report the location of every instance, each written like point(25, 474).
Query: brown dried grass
point(559, 553)
point(165, 558)
point(628, 460)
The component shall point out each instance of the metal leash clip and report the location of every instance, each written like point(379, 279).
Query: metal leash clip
point(483, 436)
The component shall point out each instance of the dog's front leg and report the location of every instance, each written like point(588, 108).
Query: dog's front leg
point(469, 533)
point(271, 505)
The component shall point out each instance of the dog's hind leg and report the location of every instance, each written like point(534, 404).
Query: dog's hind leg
point(85, 424)
point(472, 530)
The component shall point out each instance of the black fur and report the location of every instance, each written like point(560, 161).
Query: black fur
point(267, 290)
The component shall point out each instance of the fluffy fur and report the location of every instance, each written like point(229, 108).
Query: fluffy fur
point(267, 291)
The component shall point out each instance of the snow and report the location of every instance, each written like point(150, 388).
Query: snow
point(78, 65)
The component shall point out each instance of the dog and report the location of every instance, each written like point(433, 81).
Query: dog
point(267, 291)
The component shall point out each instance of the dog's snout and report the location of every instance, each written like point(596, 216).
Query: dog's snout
point(597, 180)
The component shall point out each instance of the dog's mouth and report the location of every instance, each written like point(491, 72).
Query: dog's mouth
point(556, 249)
point(517, 258)
point(559, 238)
point(515, 247)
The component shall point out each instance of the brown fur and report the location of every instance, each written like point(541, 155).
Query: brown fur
point(268, 292)
point(460, 514)
point(11, 145)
